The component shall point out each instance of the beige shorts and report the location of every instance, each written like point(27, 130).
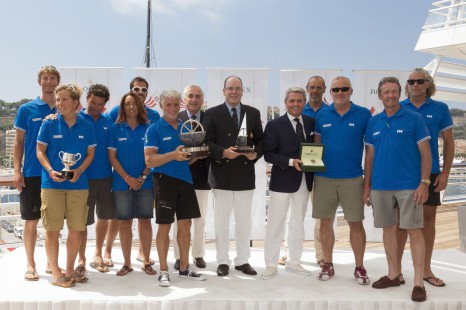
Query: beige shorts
point(60, 204)
point(386, 215)
point(329, 193)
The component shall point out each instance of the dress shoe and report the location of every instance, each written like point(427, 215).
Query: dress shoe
point(199, 262)
point(246, 269)
point(177, 265)
point(223, 270)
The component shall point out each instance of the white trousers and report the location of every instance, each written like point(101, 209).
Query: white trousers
point(277, 212)
point(198, 228)
point(240, 203)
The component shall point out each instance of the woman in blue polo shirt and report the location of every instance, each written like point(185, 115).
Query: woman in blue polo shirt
point(62, 197)
point(132, 187)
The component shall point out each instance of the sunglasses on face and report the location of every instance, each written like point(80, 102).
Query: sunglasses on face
point(337, 89)
point(139, 89)
point(419, 81)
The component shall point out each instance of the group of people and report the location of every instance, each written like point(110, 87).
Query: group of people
point(131, 161)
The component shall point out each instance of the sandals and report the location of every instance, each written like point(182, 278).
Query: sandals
point(64, 282)
point(31, 275)
point(124, 271)
point(151, 261)
point(438, 282)
point(148, 270)
point(99, 266)
point(108, 262)
point(79, 278)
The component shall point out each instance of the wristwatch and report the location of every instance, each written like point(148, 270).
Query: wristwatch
point(144, 176)
point(425, 181)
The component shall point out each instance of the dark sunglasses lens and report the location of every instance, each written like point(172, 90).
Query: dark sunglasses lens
point(419, 81)
point(343, 89)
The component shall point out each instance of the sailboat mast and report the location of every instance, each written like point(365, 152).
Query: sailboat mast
point(148, 40)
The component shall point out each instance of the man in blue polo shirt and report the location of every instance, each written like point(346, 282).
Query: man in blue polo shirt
point(140, 86)
point(99, 174)
point(341, 129)
point(173, 186)
point(391, 175)
point(27, 182)
point(419, 88)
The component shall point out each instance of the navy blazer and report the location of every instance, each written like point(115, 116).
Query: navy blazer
point(221, 132)
point(199, 169)
point(280, 145)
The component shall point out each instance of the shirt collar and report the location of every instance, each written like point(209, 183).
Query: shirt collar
point(291, 117)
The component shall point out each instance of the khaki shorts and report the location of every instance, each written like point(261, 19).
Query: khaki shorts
point(60, 204)
point(329, 193)
point(386, 213)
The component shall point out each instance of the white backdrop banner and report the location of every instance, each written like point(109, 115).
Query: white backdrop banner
point(256, 87)
point(365, 84)
point(160, 79)
point(85, 76)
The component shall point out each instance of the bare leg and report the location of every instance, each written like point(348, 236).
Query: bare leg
point(430, 214)
point(101, 227)
point(126, 240)
point(162, 243)
point(418, 254)
point(51, 248)
point(184, 240)
point(82, 248)
point(328, 238)
point(402, 238)
point(390, 244)
point(145, 238)
point(72, 248)
point(29, 239)
point(358, 241)
point(112, 232)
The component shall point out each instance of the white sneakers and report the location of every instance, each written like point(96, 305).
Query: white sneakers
point(269, 273)
point(297, 268)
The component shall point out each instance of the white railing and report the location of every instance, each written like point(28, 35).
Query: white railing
point(448, 13)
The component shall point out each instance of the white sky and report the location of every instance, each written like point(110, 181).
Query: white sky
point(275, 34)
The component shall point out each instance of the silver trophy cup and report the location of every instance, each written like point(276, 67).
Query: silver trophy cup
point(68, 160)
point(192, 135)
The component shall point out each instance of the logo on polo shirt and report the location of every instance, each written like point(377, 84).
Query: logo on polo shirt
point(351, 124)
point(81, 137)
point(58, 136)
point(376, 133)
point(105, 128)
point(399, 131)
point(327, 125)
point(167, 138)
point(37, 119)
point(429, 116)
point(122, 139)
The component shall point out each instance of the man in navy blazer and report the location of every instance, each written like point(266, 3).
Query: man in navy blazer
point(289, 186)
point(232, 174)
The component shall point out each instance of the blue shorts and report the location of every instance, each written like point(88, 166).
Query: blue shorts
point(134, 204)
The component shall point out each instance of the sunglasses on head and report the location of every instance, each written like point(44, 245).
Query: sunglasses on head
point(419, 81)
point(139, 89)
point(337, 89)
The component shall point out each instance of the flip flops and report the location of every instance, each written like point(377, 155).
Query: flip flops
point(108, 262)
point(438, 282)
point(63, 282)
point(148, 270)
point(151, 261)
point(99, 266)
point(31, 275)
point(124, 271)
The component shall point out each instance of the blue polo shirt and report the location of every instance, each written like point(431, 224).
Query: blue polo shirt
point(129, 145)
point(343, 140)
point(100, 167)
point(152, 115)
point(437, 117)
point(28, 120)
point(163, 137)
point(395, 139)
point(57, 136)
point(310, 111)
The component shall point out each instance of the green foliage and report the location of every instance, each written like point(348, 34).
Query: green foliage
point(10, 108)
point(456, 112)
